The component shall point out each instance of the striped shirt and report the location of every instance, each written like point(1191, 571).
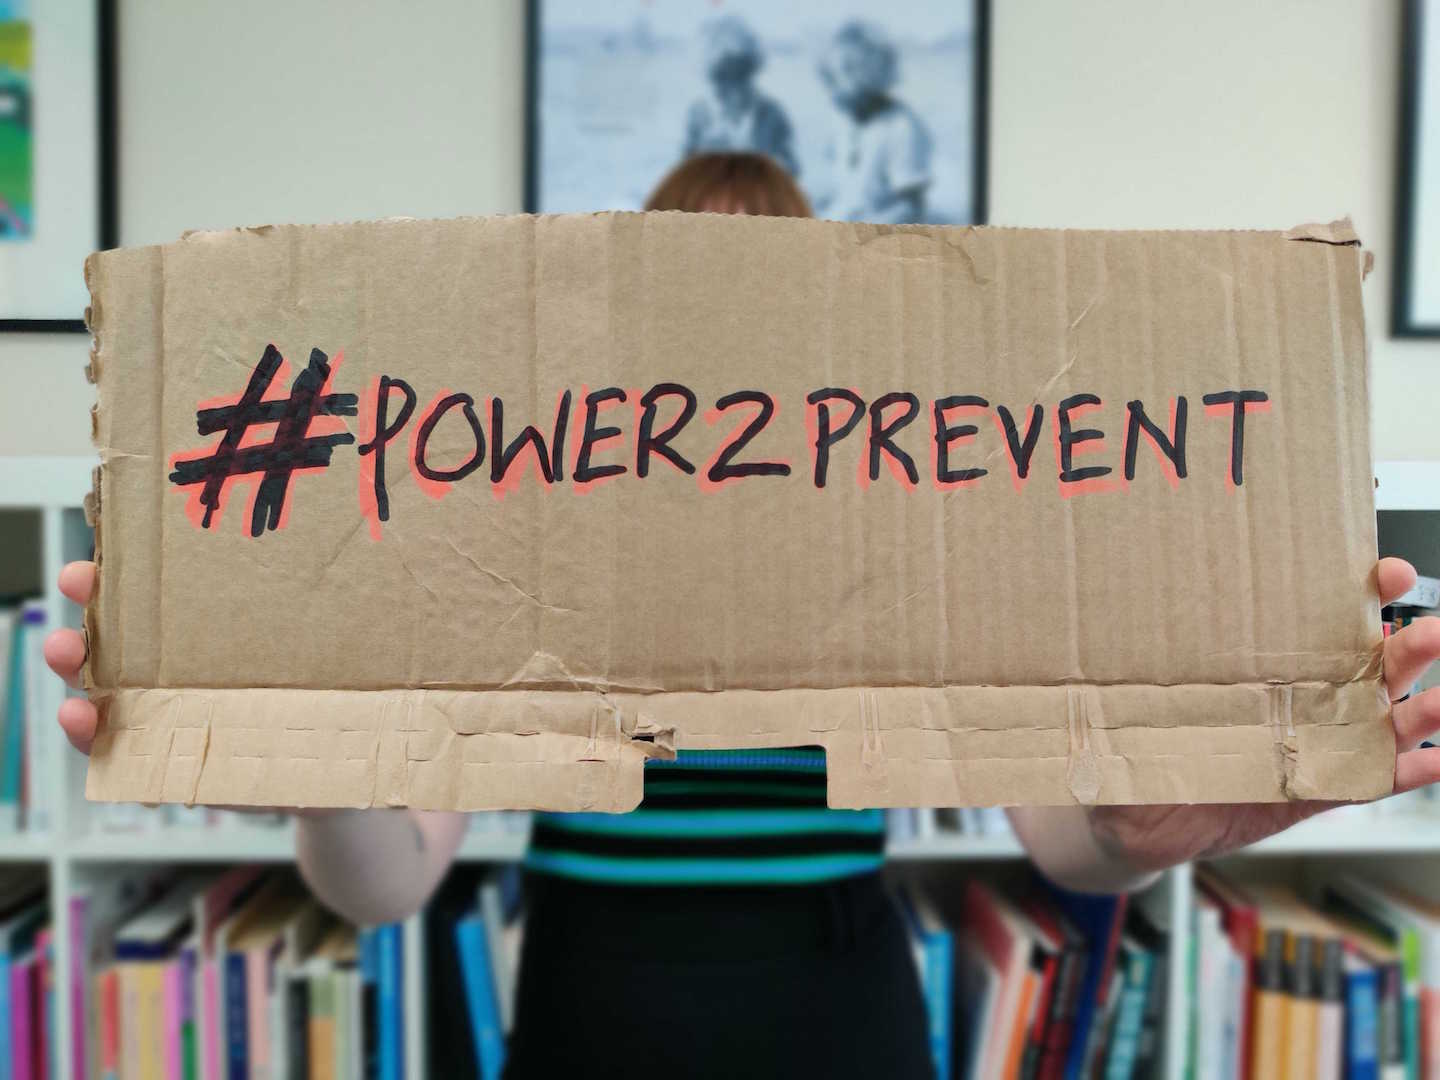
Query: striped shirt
point(717, 817)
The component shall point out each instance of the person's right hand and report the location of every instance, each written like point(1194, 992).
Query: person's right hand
point(65, 653)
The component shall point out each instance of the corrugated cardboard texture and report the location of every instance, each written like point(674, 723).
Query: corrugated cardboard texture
point(983, 640)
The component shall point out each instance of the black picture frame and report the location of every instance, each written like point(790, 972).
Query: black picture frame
point(1403, 323)
point(106, 115)
point(981, 151)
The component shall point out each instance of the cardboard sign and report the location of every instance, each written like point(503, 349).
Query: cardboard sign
point(484, 513)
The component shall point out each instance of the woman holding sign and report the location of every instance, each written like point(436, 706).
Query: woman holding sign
point(734, 925)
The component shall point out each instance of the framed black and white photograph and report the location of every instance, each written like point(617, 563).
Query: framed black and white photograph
point(57, 156)
point(1416, 306)
point(878, 110)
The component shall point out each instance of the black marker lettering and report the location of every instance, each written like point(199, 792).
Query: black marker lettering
point(825, 438)
point(551, 462)
point(427, 425)
point(1021, 451)
point(1069, 438)
point(945, 434)
point(882, 435)
point(1173, 446)
point(1237, 400)
point(723, 469)
point(647, 443)
point(584, 471)
point(384, 433)
point(291, 448)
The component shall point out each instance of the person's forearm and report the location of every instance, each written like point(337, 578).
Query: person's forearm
point(376, 866)
point(1065, 848)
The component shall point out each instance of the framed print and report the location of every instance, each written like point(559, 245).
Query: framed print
point(57, 156)
point(1415, 307)
point(878, 110)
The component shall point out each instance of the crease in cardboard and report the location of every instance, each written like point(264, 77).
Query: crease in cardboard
point(1083, 773)
point(501, 579)
point(204, 750)
point(1283, 725)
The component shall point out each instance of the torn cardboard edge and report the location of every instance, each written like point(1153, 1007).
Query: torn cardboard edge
point(485, 750)
point(1340, 233)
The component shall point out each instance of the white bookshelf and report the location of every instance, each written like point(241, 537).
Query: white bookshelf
point(1407, 485)
point(955, 847)
point(55, 487)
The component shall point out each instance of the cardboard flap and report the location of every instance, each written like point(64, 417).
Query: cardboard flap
point(1340, 232)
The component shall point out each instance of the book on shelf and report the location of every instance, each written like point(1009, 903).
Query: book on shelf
point(12, 708)
point(388, 950)
point(1149, 921)
point(1239, 919)
point(223, 976)
point(1137, 966)
point(472, 931)
point(1217, 1006)
point(24, 933)
point(1408, 924)
point(481, 995)
point(1339, 980)
point(26, 685)
point(1424, 594)
point(1023, 980)
point(934, 946)
point(37, 791)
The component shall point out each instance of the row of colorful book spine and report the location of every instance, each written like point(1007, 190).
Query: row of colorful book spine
point(229, 976)
point(1336, 979)
point(1030, 982)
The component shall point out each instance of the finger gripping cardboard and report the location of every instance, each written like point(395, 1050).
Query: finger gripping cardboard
point(487, 512)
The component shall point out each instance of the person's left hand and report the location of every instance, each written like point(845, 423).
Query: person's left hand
point(1156, 837)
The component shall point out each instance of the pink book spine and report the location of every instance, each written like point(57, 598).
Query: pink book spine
point(79, 1023)
point(41, 982)
point(21, 1059)
point(1430, 1033)
point(109, 1049)
point(173, 1011)
point(210, 989)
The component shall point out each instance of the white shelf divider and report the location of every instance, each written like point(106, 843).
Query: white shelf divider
point(186, 845)
point(956, 846)
point(54, 485)
point(1355, 832)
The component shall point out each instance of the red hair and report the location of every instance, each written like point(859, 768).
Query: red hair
point(730, 183)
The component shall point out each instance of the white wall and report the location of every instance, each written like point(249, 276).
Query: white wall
point(289, 110)
point(1229, 113)
point(1115, 113)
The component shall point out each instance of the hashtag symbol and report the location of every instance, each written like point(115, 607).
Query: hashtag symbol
point(291, 448)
